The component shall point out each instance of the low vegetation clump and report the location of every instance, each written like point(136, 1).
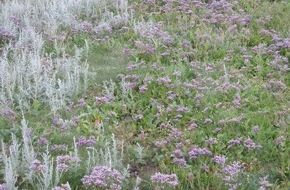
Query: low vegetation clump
point(144, 94)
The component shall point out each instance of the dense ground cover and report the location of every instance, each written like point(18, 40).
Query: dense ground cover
point(144, 94)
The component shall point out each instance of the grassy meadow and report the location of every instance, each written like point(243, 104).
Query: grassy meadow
point(144, 94)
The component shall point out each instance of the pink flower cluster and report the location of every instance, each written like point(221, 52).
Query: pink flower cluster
point(82, 141)
point(164, 181)
point(62, 162)
point(103, 176)
point(195, 152)
point(3, 186)
point(36, 166)
point(62, 187)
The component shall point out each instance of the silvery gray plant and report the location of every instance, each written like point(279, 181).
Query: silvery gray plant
point(11, 163)
point(18, 159)
point(29, 75)
point(109, 155)
point(21, 161)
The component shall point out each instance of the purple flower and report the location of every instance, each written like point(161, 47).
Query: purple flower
point(165, 54)
point(68, 109)
point(6, 34)
point(153, 31)
point(279, 140)
point(103, 27)
point(171, 95)
point(186, 44)
point(220, 160)
point(230, 174)
point(177, 117)
point(81, 103)
point(266, 32)
point(234, 142)
point(232, 170)
point(237, 100)
point(264, 183)
point(163, 80)
point(207, 121)
point(126, 52)
point(3, 186)
point(129, 85)
point(55, 120)
point(146, 48)
point(63, 127)
point(102, 100)
point(59, 147)
point(36, 165)
point(177, 73)
point(132, 67)
point(250, 145)
point(16, 21)
point(143, 88)
point(169, 109)
point(232, 29)
point(181, 109)
point(192, 126)
point(151, 1)
point(62, 162)
point(212, 141)
point(256, 129)
point(164, 180)
point(103, 176)
point(82, 141)
point(275, 85)
point(147, 79)
point(75, 119)
point(205, 167)
point(195, 152)
point(86, 26)
point(175, 134)
point(28, 133)
point(178, 153)
point(180, 161)
point(179, 145)
point(62, 167)
point(160, 144)
point(216, 130)
point(42, 141)
point(7, 112)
